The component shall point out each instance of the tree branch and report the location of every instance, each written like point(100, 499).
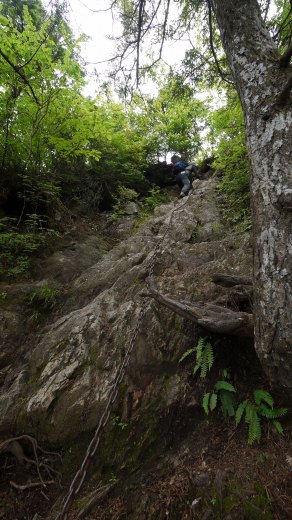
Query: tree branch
point(30, 485)
point(267, 10)
point(284, 23)
point(21, 74)
point(221, 73)
point(164, 28)
point(140, 25)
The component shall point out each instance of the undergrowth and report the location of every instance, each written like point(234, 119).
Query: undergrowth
point(19, 244)
point(254, 410)
point(41, 301)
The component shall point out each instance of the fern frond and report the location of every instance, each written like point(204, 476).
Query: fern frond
point(186, 354)
point(206, 403)
point(227, 401)
point(204, 358)
point(263, 395)
point(226, 374)
point(213, 402)
point(224, 385)
point(199, 347)
point(204, 365)
point(271, 413)
point(278, 427)
point(210, 355)
point(249, 409)
point(240, 411)
point(254, 426)
point(196, 368)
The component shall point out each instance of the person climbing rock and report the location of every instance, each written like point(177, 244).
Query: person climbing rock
point(182, 174)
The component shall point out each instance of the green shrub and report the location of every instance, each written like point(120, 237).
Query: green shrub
point(16, 250)
point(155, 198)
point(44, 297)
point(231, 160)
point(41, 301)
point(19, 244)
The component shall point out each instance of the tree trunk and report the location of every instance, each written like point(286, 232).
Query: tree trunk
point(264, 88)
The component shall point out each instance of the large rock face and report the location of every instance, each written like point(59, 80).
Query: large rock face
point(57, 386)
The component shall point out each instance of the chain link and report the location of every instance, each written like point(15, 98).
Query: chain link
point(79, 477)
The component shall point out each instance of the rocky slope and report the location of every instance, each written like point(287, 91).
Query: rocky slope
point(67, 374)
point(56, 383)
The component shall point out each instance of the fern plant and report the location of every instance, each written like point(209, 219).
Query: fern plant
point(204, 357)
point(254, 412)
point(223, 393)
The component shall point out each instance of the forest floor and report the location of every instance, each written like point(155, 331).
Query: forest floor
point(202, 469)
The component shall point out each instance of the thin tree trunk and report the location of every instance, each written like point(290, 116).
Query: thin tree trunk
point(263, 86)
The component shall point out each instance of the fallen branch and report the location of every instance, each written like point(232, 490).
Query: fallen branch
point(214, 318)
point(23, 487)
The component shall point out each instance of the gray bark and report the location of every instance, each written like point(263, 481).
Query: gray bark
point(214, 318)
point(264, 87)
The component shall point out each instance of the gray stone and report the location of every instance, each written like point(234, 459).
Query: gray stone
point(131, 208)
point(65, 374)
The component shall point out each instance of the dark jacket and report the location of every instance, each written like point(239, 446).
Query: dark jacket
point(178, 167)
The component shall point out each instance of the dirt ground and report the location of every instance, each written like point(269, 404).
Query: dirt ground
point(201, 469)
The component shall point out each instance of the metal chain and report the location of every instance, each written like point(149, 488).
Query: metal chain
point(91, 450)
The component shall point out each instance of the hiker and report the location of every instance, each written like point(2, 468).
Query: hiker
point(182, 173)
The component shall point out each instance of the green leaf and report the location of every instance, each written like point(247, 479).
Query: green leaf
point(227, 401)
point(204, 358)
point(209, 355)
point(186, 354)
point(263, 395)
point(199, 348)
point(3, 20)
point(278, 427)
point(254, 430)
point(240, 411)
point(213, 402)
point(224, 385)
point(271, 413)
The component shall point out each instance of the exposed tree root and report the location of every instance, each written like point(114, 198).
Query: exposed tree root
point(213, 317)
point(14, 447)
point(95, 497)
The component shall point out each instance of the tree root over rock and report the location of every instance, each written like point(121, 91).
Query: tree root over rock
point(212, 317)
point(94, 498)
point(13, 446)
